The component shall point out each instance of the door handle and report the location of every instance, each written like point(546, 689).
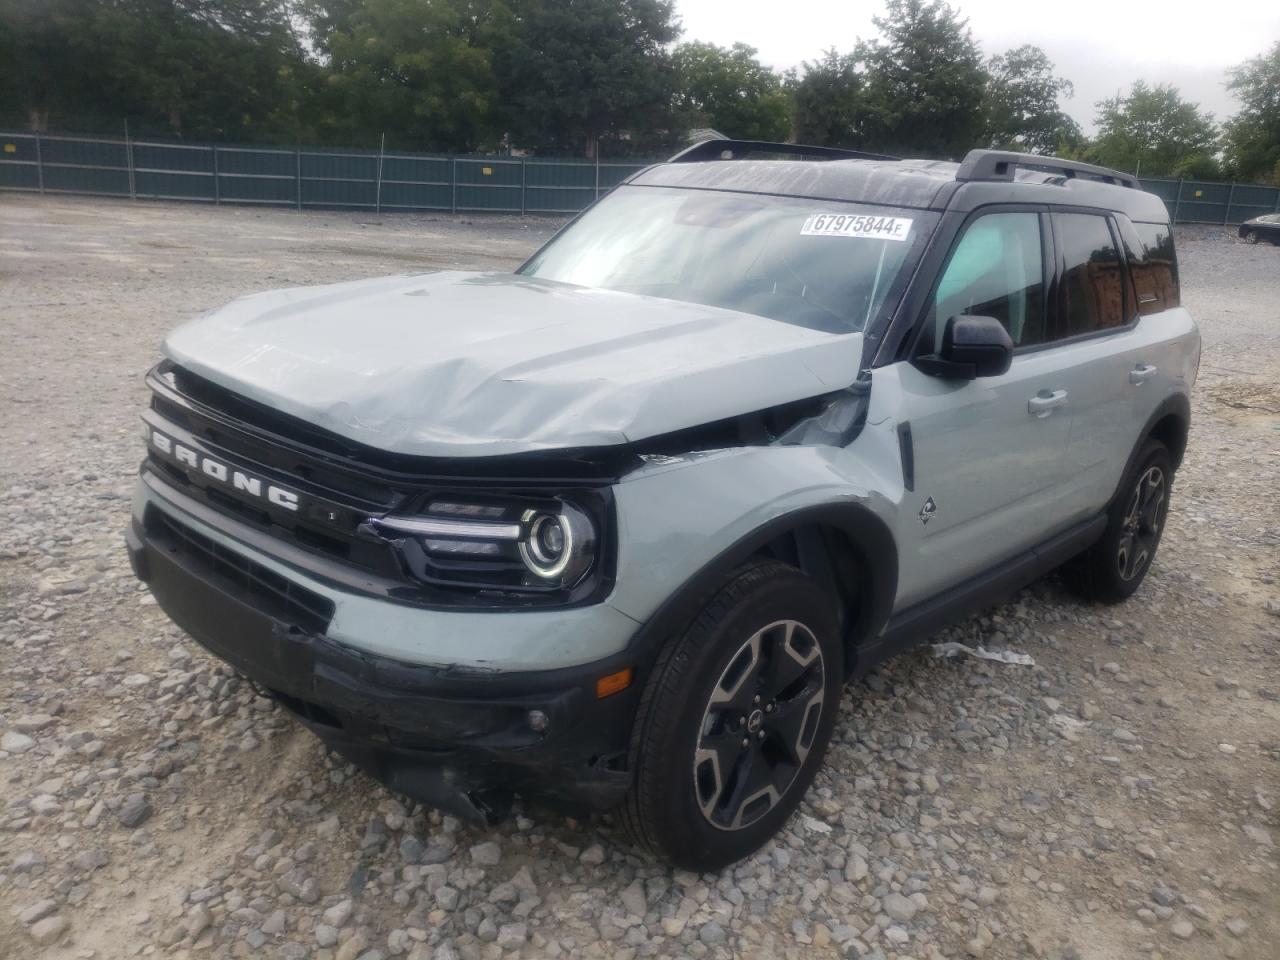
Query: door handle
point(1141, 374)
point(1043, 403)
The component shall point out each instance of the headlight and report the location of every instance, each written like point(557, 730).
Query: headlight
point(529, 546)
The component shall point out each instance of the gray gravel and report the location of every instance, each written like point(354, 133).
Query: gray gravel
point(1117, 799)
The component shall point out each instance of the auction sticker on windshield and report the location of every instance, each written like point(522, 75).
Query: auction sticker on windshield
point(862, 225)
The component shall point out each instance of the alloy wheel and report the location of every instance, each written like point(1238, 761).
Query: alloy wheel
point(1141, 528)
point(759, 725)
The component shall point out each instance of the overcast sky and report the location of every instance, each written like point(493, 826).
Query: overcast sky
point(1099, 45)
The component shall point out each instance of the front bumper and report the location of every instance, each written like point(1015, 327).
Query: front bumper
point(462, 739)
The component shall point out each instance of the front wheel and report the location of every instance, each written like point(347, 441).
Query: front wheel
point(1114, 567)
point(736, 719)
point(1251, 236)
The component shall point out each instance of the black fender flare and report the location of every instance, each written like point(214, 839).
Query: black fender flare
point(1177, 405)
point(867, 534)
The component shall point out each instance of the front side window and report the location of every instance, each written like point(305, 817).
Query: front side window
point(822, 264)
point(996, 270)
point(1091, 290)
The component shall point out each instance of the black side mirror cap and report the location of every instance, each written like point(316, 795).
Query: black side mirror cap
point(972, 347)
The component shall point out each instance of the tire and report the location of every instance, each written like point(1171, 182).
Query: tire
point(1114, 567)
point(1251, 236)
point(767, 623)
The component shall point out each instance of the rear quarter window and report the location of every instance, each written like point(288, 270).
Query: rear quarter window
point(1152, 264)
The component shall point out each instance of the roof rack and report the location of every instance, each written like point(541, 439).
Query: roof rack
point(1001, 164)
point(742, 149)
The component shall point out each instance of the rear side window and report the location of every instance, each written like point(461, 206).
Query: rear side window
point(1091, 290)
point(995, 270)
point(1156, 275)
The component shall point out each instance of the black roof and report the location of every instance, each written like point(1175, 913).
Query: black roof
point(984, 177)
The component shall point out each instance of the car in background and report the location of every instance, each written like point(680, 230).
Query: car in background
point(1265, 227)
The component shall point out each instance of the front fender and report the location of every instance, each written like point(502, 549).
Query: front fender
point(684, 523)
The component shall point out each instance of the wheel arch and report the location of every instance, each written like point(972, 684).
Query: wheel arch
point(1170, 424)
point(846, 547)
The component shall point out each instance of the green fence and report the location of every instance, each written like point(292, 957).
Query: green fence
point(304, 177)
point(329, 177)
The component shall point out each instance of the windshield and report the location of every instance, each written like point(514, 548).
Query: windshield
point(821, 264)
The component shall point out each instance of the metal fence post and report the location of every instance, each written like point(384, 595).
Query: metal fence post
point(297, 160)
point(453, 185)
point(1231, 194)
point(377, 200)
point(217, 187)
point(524, 185)
point(597, 169)
point(39, 163)
point(128, 153)
point(1177, 200)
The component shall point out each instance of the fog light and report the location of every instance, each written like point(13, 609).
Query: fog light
point(537, 721)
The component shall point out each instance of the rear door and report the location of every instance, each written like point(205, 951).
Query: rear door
point(1114, 358)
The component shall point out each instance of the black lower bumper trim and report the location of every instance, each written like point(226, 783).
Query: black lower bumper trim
point(459, 740)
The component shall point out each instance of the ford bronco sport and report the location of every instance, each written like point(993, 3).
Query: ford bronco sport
point(614, 531)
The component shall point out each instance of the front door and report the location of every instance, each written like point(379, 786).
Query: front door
point(988, 453)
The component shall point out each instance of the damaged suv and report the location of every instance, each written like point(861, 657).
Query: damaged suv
point(614, 531)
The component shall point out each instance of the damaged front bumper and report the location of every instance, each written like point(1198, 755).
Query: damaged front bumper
point(461, 739)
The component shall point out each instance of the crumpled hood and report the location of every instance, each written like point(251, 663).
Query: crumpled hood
point(468, 364)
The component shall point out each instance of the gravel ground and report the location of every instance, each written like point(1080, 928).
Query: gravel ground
point(1117, 799)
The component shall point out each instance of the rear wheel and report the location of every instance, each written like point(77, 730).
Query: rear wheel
point(736, 719)
point(1114, 567)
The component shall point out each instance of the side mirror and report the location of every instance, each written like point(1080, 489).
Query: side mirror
point(971, 347)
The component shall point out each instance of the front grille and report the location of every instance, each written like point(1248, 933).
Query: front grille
point(262, 588)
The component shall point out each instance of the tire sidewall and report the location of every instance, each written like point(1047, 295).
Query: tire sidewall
point(687, 838)
point(1154, 454)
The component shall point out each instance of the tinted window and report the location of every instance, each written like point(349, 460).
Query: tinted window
point(1091, 292)
point(995, 271)
point(1160, 264)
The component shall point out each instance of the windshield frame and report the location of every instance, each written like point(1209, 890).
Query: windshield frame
point(925, 226)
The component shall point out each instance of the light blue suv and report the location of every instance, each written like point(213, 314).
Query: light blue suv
point(615, 530)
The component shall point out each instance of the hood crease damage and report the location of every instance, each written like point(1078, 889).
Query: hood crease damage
point(480, 365)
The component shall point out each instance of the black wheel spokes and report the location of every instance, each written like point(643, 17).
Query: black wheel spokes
point(759, 725)
point(1141, 529)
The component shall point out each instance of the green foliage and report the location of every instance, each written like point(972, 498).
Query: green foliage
point(571, 76)
point(730, 90)
point(1022, 111)
point(825, 101)
point(1252, 137)
point(924, 83)
point(1155, 132)
point(203, 68)
point(576, 73)
point(420, 70)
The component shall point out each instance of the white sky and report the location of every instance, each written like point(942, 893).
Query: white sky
point(1099, 45)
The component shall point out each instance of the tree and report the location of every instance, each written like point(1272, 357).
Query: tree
point(730, 90)
point(421, 70)
point(578, 72)
point(825, 101)
point(1154, 131)
point(1252, 137)
point(924, 83)
point(210, 68)
point(1022, 111)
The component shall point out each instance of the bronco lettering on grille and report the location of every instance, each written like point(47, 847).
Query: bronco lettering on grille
point(237, 480)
